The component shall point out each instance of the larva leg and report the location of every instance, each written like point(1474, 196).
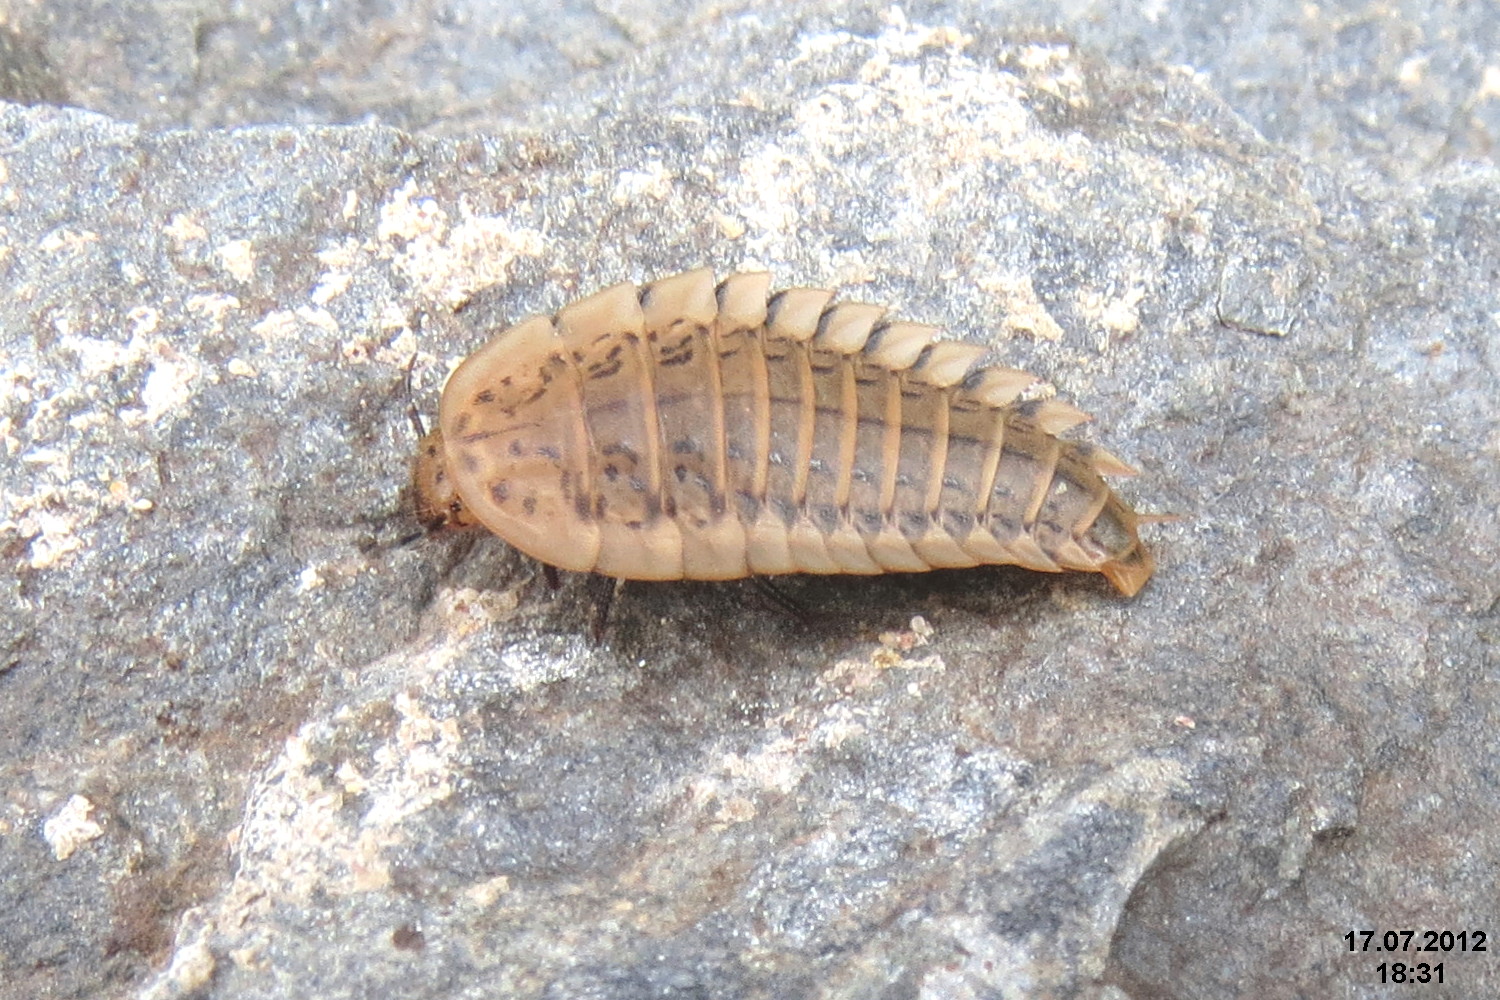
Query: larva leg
point(602, 591)
point(794, 608)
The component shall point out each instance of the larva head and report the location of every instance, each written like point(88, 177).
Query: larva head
point(438, 504)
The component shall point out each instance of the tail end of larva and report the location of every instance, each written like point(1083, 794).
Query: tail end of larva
point(1132, 567)
point(1130, 571)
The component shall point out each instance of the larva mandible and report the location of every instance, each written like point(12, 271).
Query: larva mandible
point(687, 430)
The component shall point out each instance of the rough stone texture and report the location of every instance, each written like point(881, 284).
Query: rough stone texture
point(259, 742)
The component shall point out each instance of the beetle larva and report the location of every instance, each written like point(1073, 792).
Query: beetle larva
point(682, 430)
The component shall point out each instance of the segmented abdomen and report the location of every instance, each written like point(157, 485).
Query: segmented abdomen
point(690, 430)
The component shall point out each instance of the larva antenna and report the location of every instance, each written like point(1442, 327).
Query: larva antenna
point(412, 414)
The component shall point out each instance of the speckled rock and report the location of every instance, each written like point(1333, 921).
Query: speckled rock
point(263, 740)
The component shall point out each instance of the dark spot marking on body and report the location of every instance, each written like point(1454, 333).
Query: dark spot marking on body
point(529, 506)
point(681, 473)
point(547, 451)
point(1029, 408)
point(484, 396)
point(500, 491)
point(685, 446)
point(617, 448)
point(773, 307)
point(958, 518)
point(515, 449)
point(825, 516)
point(605, 369)
point(973, 379)
point(748, 505)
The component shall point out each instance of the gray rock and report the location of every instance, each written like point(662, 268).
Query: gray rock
point(262, 742)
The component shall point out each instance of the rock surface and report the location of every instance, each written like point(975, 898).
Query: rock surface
point(259, 742)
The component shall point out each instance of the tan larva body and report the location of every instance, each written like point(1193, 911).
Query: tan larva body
point(683, 430)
